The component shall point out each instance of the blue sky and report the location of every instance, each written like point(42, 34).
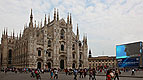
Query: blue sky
point(105, 22)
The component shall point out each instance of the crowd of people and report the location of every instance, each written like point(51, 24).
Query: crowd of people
point(111, 74)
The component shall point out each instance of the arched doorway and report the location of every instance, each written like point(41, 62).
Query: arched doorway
point(49, 65)
point(39, 65)
point(62, 64)
point(73, 65)
point(10, 56)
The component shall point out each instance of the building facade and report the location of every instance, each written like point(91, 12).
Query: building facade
point(102, 62)
point(52, 45)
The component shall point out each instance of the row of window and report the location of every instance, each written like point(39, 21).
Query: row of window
point(102, 61)
point(107, 64)
point(49, 54)
point(39, 53)
point(80, 56)
point(62, 46)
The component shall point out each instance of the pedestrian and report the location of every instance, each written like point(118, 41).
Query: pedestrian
point(85, 72)
point(5, 70)
point(108, 76)
point(133, 72)
point(32, 73)
point(56, 74)
point(116, 74)
point(94, 73)
point(75, 74)
point(81, 73)
point(90, 74)
point(37, 73)
point(66, 71)
point(51, 73)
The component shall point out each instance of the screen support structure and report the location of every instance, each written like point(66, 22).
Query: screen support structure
point(141, 57)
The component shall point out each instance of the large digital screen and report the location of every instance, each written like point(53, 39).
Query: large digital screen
point(129, 62)
point(128, 50)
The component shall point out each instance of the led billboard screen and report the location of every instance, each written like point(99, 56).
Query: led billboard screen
point(128, 50)
point(128, 62)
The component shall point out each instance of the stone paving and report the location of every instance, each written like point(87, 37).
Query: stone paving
point(46, 76)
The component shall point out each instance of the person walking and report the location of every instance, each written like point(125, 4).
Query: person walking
point(51, 73)
point(81, 73)
point(94, 73)
point(133, 72)
point(5, 70)
point(108, 76)
point(66, 71)
point(90, 74)
point(116, 74)
point(75, 74)
point(56, 74)
point(85, 72)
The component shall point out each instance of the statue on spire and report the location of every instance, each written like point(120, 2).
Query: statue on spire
point(45, 22)
point(55, 14)
point(13, 33)
point(68, 19)
point(31, 20)
point(49, 18)
point(77, 30)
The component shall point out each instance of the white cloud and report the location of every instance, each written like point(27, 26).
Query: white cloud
point(106, 22)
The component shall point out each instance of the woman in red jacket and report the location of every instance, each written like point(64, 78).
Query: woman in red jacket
point(108, 76)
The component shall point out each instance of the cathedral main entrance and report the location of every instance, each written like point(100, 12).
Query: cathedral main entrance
point(39, 65)
point(49, 65)
point(62, 64)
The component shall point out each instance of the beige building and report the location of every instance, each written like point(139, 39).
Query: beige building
point(102, 62)
point(52, 45)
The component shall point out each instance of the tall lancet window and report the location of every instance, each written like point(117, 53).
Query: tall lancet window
point(62, 34)
point(39, 52)
point(49, 43)
point(73, 47)
point(62, 47)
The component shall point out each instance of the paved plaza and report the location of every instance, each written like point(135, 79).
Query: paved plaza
point(62, 76)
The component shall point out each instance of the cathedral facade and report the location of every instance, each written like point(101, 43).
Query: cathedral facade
point(52, 45)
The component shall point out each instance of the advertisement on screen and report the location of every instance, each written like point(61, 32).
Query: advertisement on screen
point(128, 62)
point(128, 50)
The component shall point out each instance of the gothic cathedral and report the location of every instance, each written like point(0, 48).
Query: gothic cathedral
point(52, 45)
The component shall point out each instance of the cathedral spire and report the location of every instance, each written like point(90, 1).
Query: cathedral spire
point(20, 34)
point(35, 23)
point(38, 24)
point(13, 34)
point(45, 22)
point(17, 36)
point(41, 23)
point(49, 18)
point(84, 38)
point(31, 20)
point(70, 19)
point(31, 16)
point(55, 14)
point(4, 31)
point(77, 30)
point(90, 53)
